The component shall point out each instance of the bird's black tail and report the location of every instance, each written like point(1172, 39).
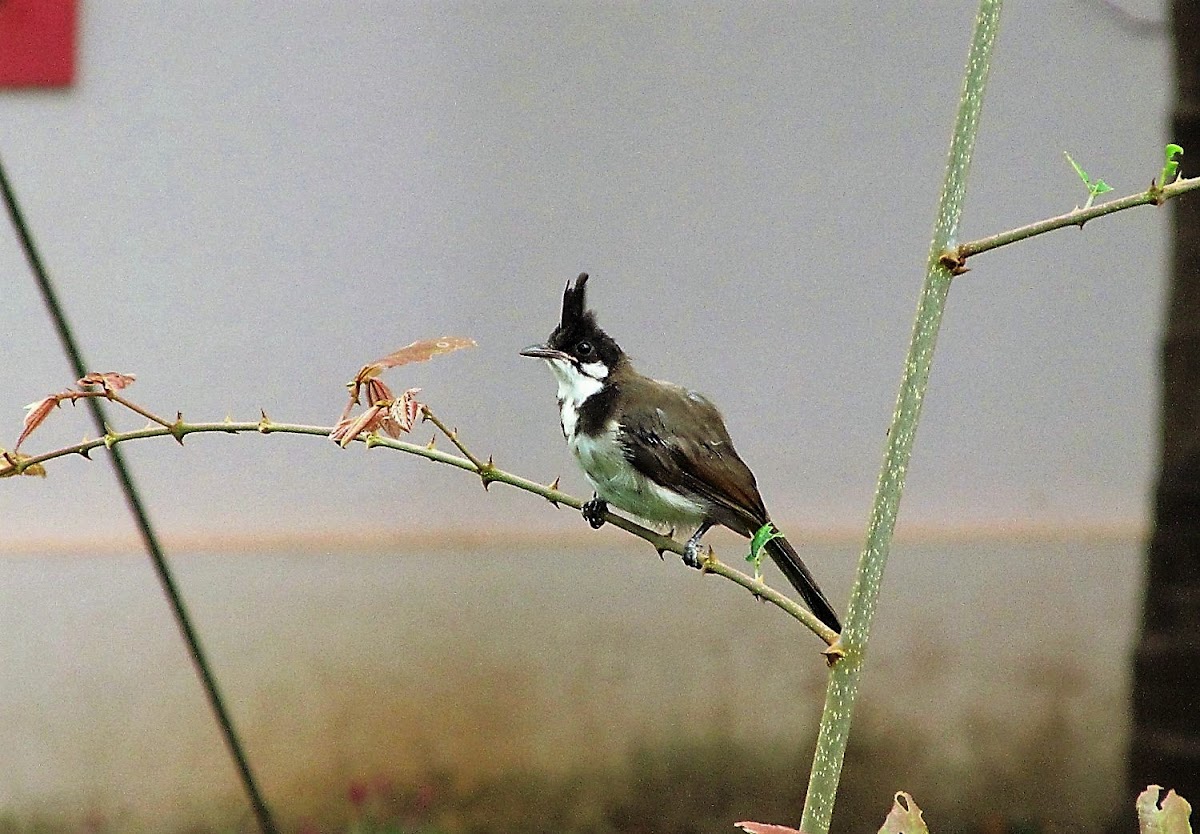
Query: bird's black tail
point(789, 562)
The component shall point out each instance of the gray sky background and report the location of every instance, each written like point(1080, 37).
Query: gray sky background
point(242, 203)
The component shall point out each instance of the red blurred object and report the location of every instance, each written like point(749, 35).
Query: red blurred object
point(37, 43)
point(358, 792)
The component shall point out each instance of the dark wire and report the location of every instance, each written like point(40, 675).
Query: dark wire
point(149, 538)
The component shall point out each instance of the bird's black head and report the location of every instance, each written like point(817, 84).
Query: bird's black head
point(578, 343)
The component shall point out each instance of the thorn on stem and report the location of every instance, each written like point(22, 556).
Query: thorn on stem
point(834, 652)
point(553, 485)
point(954, 262)
point(1156, 196)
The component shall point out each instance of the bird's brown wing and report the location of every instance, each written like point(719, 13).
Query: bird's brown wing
point(678, 437)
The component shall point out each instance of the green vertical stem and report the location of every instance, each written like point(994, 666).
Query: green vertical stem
point(846, 673)
point(137, 509)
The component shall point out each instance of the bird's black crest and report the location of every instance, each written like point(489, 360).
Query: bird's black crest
point(578, 325)
point(574, 308)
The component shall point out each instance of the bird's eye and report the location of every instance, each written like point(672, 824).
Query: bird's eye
point(584, 348)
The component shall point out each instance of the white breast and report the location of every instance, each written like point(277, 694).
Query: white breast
point(604, 464)
point(602, 457)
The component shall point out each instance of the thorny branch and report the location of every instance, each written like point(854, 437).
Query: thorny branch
point(955, 257)
point(381, 415)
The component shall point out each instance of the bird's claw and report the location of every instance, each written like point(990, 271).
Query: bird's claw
point(693, 557)
point(594, 511)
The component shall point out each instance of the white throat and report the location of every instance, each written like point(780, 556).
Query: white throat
point(602, 454)
point(575, 385)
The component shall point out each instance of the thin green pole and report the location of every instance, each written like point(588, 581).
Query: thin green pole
point(845, 676)
point(133, 499)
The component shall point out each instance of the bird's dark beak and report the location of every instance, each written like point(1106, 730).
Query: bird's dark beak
point(543, 352)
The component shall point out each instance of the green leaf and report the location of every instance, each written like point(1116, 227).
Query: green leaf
point(1170, 171)
point(761, 536)
point(1094, 188)
point(1082, 173)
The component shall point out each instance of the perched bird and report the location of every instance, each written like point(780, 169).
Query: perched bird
point(655, 449)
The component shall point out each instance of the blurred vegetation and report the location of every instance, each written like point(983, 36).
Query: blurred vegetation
point(1017, 785)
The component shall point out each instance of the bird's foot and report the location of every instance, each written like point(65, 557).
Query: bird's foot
point(593, 511)
point(692, 554)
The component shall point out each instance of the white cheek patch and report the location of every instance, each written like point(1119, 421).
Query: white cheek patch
point(574, 386)
point(595, 370)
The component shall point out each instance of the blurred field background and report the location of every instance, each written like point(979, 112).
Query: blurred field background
point(490, 688)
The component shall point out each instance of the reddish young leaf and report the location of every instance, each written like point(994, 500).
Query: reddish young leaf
point(345, 411)
point(764, 828)
point(390, 427)
point(378, 392)
point(406, 409)
point(111, 381)
point(420, 351)
point(347, 429)
point(401, 413)
point(38, 412)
